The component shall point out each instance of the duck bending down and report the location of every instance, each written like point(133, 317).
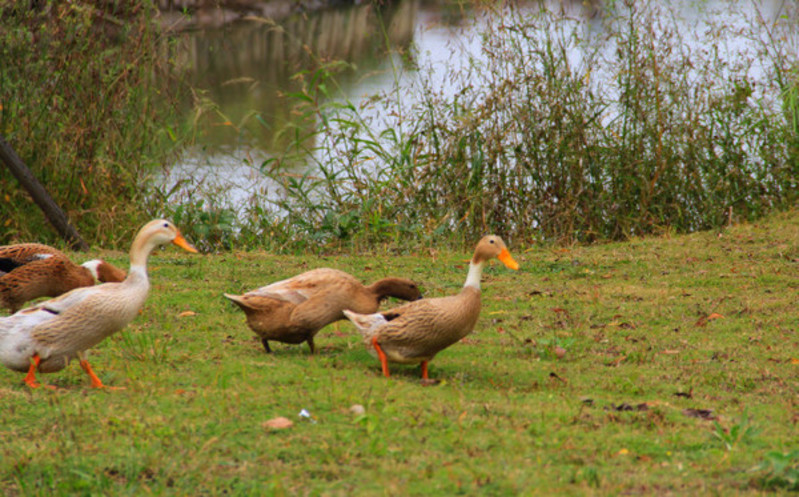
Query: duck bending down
point(417, 331)
point(294, 310)
point(32, 270)
point(47, 336)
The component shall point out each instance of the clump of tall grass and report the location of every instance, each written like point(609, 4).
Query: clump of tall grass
point(638, 133)
point(82, 100)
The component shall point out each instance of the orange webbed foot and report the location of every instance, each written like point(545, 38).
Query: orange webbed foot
point(30, 378)
point(96, 383)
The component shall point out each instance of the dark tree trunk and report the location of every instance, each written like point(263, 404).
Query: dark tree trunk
point(51, 210)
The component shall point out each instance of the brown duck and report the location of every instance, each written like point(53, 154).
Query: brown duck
point(294, 310)
point(417, 331)
point(32, 270)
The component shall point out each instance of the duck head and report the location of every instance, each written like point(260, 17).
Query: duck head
point(492, 246)
point(400, 288)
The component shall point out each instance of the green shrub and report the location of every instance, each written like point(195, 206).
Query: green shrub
point(83, 98)
point(532, 144)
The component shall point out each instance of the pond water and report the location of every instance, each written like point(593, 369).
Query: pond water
point(242, 72)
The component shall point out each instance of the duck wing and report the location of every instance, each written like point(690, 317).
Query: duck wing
point(302, 287)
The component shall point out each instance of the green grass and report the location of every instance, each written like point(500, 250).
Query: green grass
point(508, 418)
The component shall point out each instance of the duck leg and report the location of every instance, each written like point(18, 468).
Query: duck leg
point(311, 345)
point(30, 378)
point(424, 370)
point(266, 345)
point(382, 356)
point(96, 383)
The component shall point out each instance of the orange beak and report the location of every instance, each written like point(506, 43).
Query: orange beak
point(182, 243)
point(507, 259)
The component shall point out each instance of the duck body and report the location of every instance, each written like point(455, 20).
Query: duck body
point(294, 310)
point(47, 336)
point(437, 324)
point(415, 332)
point(48, 328)
point(32, 270)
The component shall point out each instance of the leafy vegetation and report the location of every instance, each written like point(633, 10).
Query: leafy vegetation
point(639, 133)
point(677, 374)
point(84, 100)
point(528, 142)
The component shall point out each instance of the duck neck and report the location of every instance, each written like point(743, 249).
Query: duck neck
point(382, 289)
point(137, 276)
point(475, 273)
point(379, 290)
point(139, 253)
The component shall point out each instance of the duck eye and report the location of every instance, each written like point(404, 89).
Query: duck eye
point(491, 240)
point(166, 225)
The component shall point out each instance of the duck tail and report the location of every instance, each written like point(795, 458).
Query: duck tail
point(236, 299)
point(367, 324)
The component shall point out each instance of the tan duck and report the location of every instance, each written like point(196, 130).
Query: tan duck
point(32, 270)
point(47, 336)
point(294, 310)
point(417, 331)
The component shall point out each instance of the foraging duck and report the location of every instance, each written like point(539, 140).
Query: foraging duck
point(417, 331)
point(45, 337)
point(294, 310)
point(32, 270)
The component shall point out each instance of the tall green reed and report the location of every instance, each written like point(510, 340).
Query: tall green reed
point(639, 134)
point(84, 100)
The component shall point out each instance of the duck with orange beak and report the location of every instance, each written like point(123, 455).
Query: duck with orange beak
point(47, 336)
point(417, 331)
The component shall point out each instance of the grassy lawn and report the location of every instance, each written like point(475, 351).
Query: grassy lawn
point(658, 366)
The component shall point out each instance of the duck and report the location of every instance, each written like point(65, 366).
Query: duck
point(294, 310)
point(415, 332)
point(45, 337)
point(32, 270)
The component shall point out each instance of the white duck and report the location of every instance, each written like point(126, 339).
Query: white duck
point(47, 336)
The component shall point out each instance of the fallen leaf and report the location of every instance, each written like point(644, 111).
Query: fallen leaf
point(670, 352)
point(699, 413)
point(617, 361)
point(706, 319)
point(627, 407)
point(429, 382)
point(279, 423)
point(622, 452)
point(687, 395)
point(794, 360)
point(187, 314)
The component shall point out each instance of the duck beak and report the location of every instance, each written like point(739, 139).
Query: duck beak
point(182, 243)
point(507, 259)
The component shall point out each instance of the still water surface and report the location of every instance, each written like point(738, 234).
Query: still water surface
point(243, 71)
